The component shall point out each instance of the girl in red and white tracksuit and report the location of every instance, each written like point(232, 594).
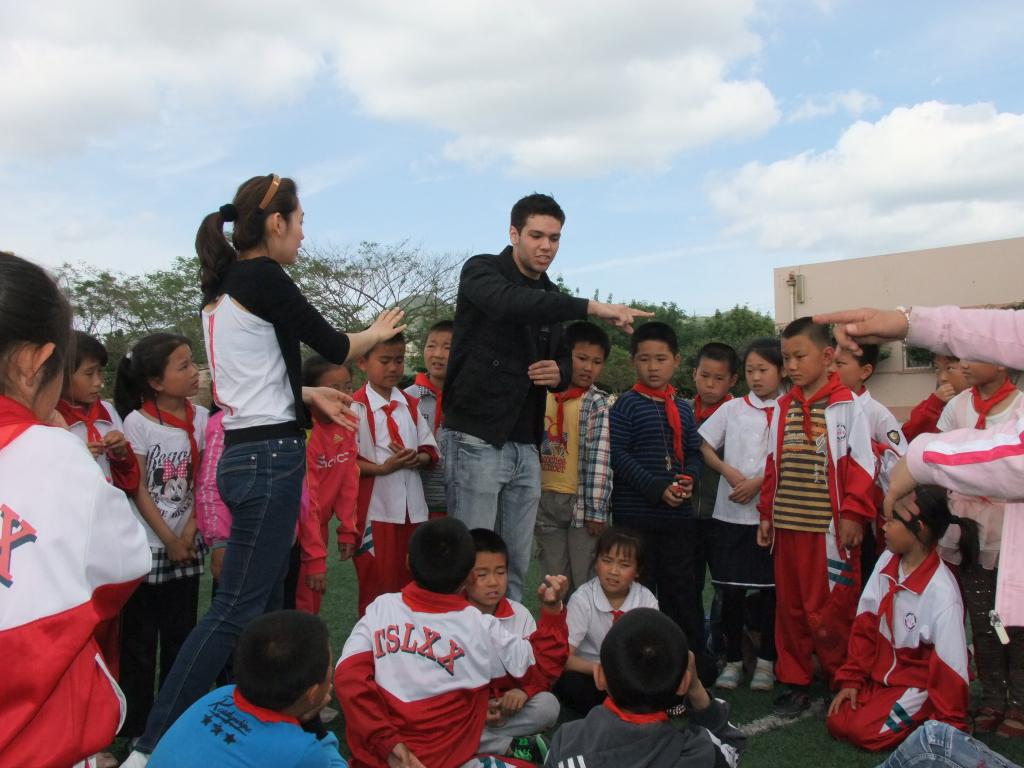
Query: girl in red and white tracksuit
point(71, 551)
point(907, 655)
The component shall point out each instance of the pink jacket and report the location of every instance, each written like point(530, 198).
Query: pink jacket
point(986, 462)
point(213, 518)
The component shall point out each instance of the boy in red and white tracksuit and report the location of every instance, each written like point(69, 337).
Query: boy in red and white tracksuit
point(816, 502)
point(332, 490)
point(415, 674)
point(907, 655)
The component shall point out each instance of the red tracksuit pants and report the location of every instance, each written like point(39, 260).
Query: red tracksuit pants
point(884, 717)
point(385, 569)
point(810, 618)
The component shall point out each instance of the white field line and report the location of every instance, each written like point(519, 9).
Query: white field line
point(772, 722)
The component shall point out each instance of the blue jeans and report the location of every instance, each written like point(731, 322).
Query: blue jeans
point(938, 744)
point(498, 489)
point(261, 483)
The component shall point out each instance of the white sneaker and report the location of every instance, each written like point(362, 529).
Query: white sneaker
point(729, 680)
point(764, 676)
point(136, 760)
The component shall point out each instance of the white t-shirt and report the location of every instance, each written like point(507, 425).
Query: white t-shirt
point(168, 474)
point(959, 412)
point(590, 617)
point(398, 496)
point(741, 425)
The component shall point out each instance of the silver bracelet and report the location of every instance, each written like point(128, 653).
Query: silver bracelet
point(906, 313)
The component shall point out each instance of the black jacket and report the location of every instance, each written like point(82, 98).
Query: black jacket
point(502, 326)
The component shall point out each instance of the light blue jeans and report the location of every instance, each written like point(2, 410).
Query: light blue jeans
point(495, 488)
point(939, 744)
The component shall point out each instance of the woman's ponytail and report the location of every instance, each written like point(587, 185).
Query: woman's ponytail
point(970, 549)
point(255, 200)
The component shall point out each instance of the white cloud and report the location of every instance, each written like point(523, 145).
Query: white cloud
point(931, 174)
point(853, 102)
point(569, 88)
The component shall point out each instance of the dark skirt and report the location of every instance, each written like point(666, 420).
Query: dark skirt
point(738, 560)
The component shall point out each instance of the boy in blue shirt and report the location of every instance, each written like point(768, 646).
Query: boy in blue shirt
point(271, 716)
point(656, 457)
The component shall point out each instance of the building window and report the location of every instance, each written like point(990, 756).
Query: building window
point(916, 358)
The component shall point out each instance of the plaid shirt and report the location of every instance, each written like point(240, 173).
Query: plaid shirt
point(164, 570)
point(594, 461)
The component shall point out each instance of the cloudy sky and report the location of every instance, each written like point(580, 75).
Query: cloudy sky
point(694, 145)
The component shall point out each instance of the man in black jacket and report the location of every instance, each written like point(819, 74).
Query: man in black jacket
point(507, 353)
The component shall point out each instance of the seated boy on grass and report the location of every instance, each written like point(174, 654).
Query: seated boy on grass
point(645, 664)
point(270, 716)
point(414, 677)
point(518, 708)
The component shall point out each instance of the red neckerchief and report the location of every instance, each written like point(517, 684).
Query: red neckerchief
point(703, 413)
point(617, 614)
point(424, 381)
point(15, 418)
point(984, 406)
point(560, 399)
point(393, 431)
point(262, 713)
point(831, 386)
point(668, 397)
point(75, 413)
point(188, 425)
point(915, 582)
point(768, 410)
point(637, 718)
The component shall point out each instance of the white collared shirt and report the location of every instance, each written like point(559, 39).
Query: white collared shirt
point(742, 426)
point(398, 497)
point(589, 615)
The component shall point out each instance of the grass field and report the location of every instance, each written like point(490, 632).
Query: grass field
point(804, 743)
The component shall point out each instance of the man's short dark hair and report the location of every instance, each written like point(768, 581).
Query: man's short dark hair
point(441, 555)
point(818, 333)
point(535, 205)
point(644, 657)
point(654, 330)
point(486, 540)
point(720, 353)
point(279, 656)
point(583, 332)
point(88, 348)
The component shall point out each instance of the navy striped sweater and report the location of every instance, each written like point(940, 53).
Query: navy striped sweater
point(641, 437)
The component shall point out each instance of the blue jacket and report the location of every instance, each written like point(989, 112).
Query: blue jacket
point(225, 730)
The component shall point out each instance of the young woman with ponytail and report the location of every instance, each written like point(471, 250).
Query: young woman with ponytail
point(907, 654)
point(254, 319)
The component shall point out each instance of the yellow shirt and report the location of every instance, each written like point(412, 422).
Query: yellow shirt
point(802, 501)
point(559, 454)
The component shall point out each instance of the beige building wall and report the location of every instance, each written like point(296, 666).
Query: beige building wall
point(980, 274)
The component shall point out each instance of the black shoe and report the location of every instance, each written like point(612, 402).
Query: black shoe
point(791, 703)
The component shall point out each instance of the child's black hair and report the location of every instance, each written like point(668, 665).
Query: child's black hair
point(654, 330)
point(486, 540)
point(441, 555)
point(32, 311)
point(869, 354)
point(933, 514)
point(315, 366)
point(805, 326)
point(627, 541)
point(88, 348)
point(721, 353)
point(279, 656)
point(398, 338)
point(146, 360)
point(583, 332)
point(644, 657)
point(441, 326)
point(768, 349)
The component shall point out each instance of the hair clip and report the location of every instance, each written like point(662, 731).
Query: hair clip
point(275, 182)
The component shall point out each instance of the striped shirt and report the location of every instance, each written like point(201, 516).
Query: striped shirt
point(802, 502)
